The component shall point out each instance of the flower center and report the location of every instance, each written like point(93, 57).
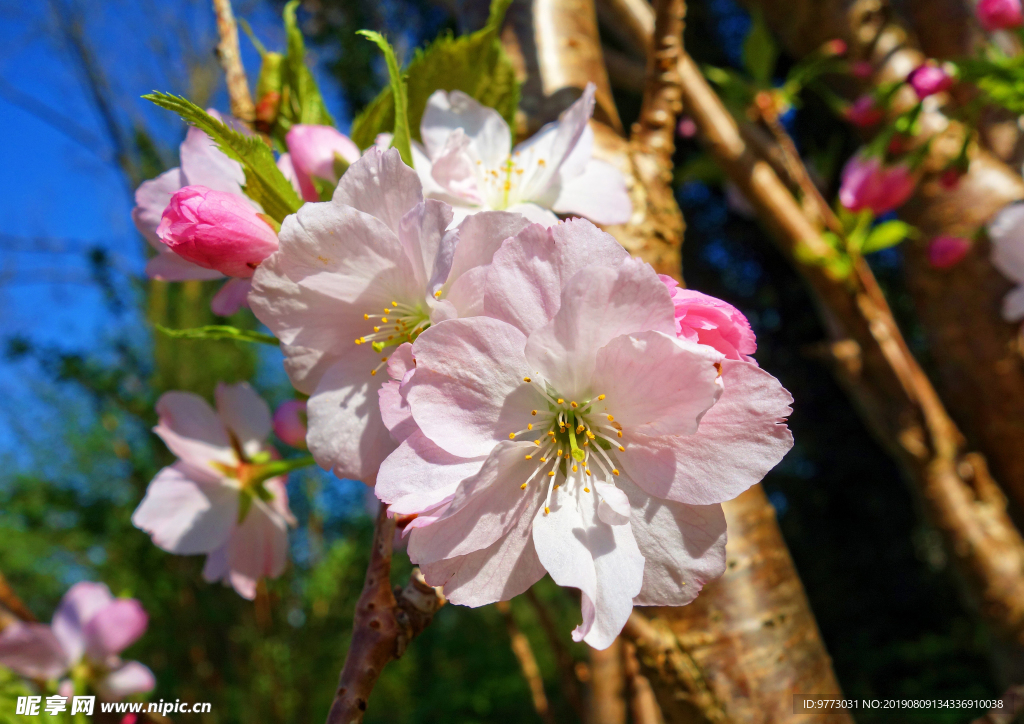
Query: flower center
point(577, 442)
point(500, 186)
point(400, 323)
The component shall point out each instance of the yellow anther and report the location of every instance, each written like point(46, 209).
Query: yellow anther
point(376, 329)
point(600, 397)
point(551, 473)
point(591, 435)
point(611, 418)
point(523, 486)
point(622, 449)
point(529, 457)
point(619, 433)
point(534, 413)
point(561, 401)
point(551, 433)
point(511, 436)
point(543, 460)
point(394, 303)
point(508, 185)
point(559, 452)
point(546, 510)
point(556, 487)
point(526, 379)
point(384, 319)
point(362, 340)
point(541, 162)
point(437, 294)
point(587, 471)
point(615, 471)
point(366, 316)
point(387, 311)
point(537, 443)
point(530, 426)
point(580, 429)
point(573, 404)
point(373, 373)
point(586, 490)
point(586, 442)
point(575, 469)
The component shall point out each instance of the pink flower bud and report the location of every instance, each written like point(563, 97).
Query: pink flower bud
point(862, 69)
point(836, 46)
point(863, 113)
point(929, 79)
point(216, 230)
point(706, 320)
point(947, 251)
point(290, 423)
point(950, 178)
point(313, 150)
point(999, 14)
point(867, 184)
point(687, 128)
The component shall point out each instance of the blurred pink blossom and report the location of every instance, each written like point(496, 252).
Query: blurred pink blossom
point(290, 423)
point(999, 14)
point(947, 251)
point(864, 112)
point(313, 151)
point(867, 184)
point(929, 79)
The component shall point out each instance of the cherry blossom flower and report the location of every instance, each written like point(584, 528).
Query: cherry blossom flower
point(356, 277)
point(290, 423)
point(999, 14)
point(313, 152)
point(864, 112)
point(928, 79)
point(867, 184)
point(706, 320)
point(90, 627)
point(202, 164)
point(216, 230)
point(467, 160)
point(225, 496)
point(945, 252)
point(571, 432)
point(1006, 230)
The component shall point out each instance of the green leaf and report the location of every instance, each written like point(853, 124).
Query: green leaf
point(760, 51)
point(399, 94)
point(302, 100)
point(264, 182)
point(219, 331)
point(475, 64)
point(887, 234)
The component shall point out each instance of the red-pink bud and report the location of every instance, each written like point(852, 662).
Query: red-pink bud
point(836, 46)
point(867, 184)
point(313, 150)
point(687, 127)
point(947, 251)
point(950, 178)
point(862, 69)
point(708, 320)
point(216, 230)
point(863, 112)
point(290, 423)
point(999, 14)
point(929, 79)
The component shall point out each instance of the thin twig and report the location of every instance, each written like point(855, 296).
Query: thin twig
point(527, 663)
point(566, 665)
point(230, 56)
point(10, 601)
point(385, 622)
point(643, 705)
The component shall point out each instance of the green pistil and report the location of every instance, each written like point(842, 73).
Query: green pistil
point(577, 454)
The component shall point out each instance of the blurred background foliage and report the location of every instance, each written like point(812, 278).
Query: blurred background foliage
point(77, 452)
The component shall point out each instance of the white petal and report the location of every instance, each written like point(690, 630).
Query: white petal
point(151, 198)
point(258, 548)
point(193, 431)
point(381, 185)
point(486, 129)
point(419, 475)
point(428, 246)
point(245, 414)
point(131, 678)
point(598, 193)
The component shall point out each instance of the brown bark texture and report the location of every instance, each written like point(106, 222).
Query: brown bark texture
point(385, 622)
point(606, 701)
point(230, 56)
point(977, 356)
point(643, 706)
point(894, 395)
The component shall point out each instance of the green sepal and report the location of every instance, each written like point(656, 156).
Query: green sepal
point(887, 234)
point(220, 331)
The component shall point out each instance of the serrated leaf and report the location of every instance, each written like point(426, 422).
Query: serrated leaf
point(886, 235)
point(264, 182)
point(475, 64)
point(760, 52)
point(304, 103)
point(220, 331)
point(399, 94)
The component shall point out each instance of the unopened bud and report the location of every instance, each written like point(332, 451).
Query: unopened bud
point(290, 423)
point(314, 151)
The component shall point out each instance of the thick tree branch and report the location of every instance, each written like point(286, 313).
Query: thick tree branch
point(643, 705)
point(230, 56)
point(527, 663)
point(385, 622)
point(606, 703)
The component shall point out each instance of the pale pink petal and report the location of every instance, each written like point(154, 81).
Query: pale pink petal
point(132, 678)
point(581, 551)
point(739, 440)
point(1013, 305)
point(598, 193)
point(426, 243)
point(1006, 230)
point(114, 628)
point(32, 650)
point(395, 411)
point(216, 566)
point(419, 475)
point(151, 198)
point(525, 280)
point(284, 163)
point(455, 170)
point(480, 236)
point(231, 297)
point(202, 163)
point(346, 431)
point(499, 572)
point(381, 185)
point(258, 548)
point(169, 267)
point(192, 430)
point(655, 384)
point(534, 213)
point(81, 602)
point(486, 506)
point(185, 516)
point(245, 414)
point(278, 489)
point(445, 112)
point(614, 506)
point(469, 392)
point(683, 546)
point(598, 304)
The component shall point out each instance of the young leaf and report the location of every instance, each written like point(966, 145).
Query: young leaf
point(303, 102)
point(475, 64)
point(760, 52)
point(887, 234)
point(219, 331)
point(399, 95)
point(264, 182)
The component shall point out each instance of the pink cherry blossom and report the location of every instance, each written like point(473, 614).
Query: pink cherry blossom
point(945, 252)
point(467, 160)
point(999, 14)
point(216, 230)
point(202, 164)
point(864, 112)
point(867, 184)
point(290, 423)
point(570, 432)
point(89, 625)
point(1006, 230)
point(706, 320)
point(213, 500)
point(356, 277)
point(313, 151)
point(929, 79)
